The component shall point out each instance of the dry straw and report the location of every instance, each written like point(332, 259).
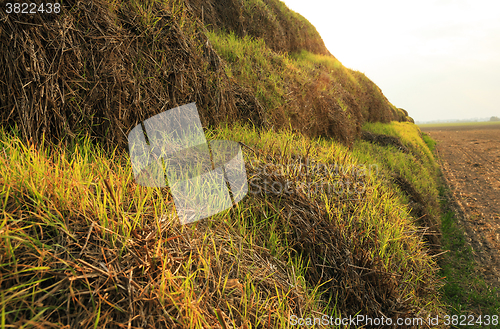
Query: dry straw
point(102, 68)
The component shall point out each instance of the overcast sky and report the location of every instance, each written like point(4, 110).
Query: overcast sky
point(438, 59)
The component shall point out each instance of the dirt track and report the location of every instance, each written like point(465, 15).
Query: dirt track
point(470, 161)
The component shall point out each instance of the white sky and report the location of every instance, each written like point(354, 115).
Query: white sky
point(438, 59)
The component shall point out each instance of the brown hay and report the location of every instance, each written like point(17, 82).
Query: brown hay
point(101, 70)
point(418, 206)
point(280, 28)
point(64, 261)
point(384, 140)
point(87, 264)
point(339, 257)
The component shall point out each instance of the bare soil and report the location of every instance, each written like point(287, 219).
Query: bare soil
point(470, 161)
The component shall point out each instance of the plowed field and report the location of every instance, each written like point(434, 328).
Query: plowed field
point(470, 161)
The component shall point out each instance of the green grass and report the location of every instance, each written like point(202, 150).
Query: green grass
point(254, 65)
point(418, 167)
point(63, 206)
point(465, 291)
point(298, 89)
point(431, 144)
point(50, 193)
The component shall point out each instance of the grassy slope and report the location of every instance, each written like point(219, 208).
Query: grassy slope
point(83, 245)
point(313, 93)
point(159, 54)
point(282, 29)
point(419, 166)
point(75, 227)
